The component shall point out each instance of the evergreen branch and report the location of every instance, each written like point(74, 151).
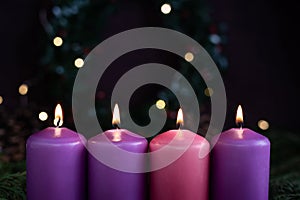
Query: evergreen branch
point(286, 187)
point(13, 186)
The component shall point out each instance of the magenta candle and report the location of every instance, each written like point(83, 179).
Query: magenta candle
point(55, 161)
point(240, 165)
point(187, 177)
point(108, 182)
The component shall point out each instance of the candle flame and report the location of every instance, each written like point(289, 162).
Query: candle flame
point(58, 116)
point(239, 116)
point(116, 115)
point(179, 120)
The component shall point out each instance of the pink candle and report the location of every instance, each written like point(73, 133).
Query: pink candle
point(55, 161)
point(186, 178)
point(107, 181)
point(240, 164)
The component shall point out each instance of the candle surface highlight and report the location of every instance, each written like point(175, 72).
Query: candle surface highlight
point(55, 161)
point(108, 183)
point(240, 165)
point(186, 178)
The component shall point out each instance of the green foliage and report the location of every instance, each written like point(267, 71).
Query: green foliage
point(286, 187)
point(12, 167)
point(12, 181)
point(13, 186)
point(285, 165)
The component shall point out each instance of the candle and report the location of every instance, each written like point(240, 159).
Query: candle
point(55, 161)
point(107, 182)
point(240, 164)
point(187, 177)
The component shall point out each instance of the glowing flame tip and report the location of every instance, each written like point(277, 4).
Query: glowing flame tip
point(179, 120)
point(58, 116)
point(239, 116)
point(116, 115)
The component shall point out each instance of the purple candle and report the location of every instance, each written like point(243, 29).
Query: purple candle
point(55, 161)
point(240, 164)
point(107, 182)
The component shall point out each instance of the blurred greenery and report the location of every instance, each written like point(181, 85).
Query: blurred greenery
point(285, 165)
point(12, 182)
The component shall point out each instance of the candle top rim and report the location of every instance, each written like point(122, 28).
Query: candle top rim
point(242, 137)
point(126, 136)
point(51, 135)
point(128, 141)
point(166, 137)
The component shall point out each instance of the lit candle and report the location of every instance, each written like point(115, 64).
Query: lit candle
point(55, 161)
point(187, 177)
point(240, 164)
point(105, 182)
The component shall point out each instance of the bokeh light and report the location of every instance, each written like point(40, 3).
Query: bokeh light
point(1, 100)
point(166, 8)
point(208, 92)
point(23, 89)
point(57, 41)
point(263, 124)
point(160, 104)
point(79, 62)
point(215, 39)
point(189, 57)
point(43, 116)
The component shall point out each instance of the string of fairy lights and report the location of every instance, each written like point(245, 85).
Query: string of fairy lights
point(165, 9)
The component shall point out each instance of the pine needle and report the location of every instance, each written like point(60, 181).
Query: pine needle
point(12, 186)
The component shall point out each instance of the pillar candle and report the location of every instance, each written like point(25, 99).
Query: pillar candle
point(187, 177)
point(104, 181)
point(55, 161)
point(240, 164)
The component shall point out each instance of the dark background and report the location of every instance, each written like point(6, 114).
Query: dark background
point(262, 48)
point(263, 55)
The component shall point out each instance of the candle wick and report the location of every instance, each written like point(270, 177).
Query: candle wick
point(178, 126)
point(116, 126)
point(240, 125)
point(179, 132)
point(58, 122)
